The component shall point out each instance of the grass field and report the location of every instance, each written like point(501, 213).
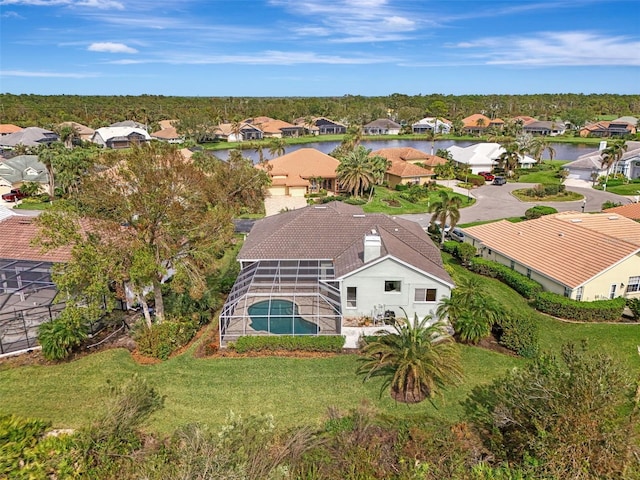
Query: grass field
point(295, 390)
point(379, 202)
point(560, 197)
point(624, 189)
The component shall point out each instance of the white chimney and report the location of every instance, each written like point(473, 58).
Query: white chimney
point(372, 246)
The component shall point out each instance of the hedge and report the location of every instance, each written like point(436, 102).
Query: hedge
point(596, 311)
point(539, 211)
point(471, 178)
point(520, 283)
point(289, 343)
point(519, 334)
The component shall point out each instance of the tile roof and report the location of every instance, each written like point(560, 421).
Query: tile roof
point(409, 154)
point(336, 231)
point(6, 128)
point(472, 121)
point(30, 137)
point(630, 210)
point(271, 125)
point(569, 247)
point(16, 234)
point(79, 128)
point(403, 169)
point(304, 163)
point(168, 133)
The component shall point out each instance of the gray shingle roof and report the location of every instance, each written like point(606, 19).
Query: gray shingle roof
point(30, 137)
point(23, 168)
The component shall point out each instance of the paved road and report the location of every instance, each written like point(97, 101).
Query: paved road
point(494, 202)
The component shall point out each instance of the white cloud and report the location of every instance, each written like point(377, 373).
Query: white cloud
point(11, 14)
point(25, 73)
point(101, 4)
point(111, 47)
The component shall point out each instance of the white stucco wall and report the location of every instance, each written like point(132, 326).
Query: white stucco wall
point(370, 290)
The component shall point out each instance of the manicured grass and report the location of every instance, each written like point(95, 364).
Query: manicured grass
point(378, 203)
point(624, 189)
point(561, 197)
point(32, 206)
point(545, 176)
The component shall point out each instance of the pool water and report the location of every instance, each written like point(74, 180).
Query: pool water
point(280, 317)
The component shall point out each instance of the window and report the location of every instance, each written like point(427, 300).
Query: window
point(579, 293)
point(634, 284)
point(352, 294)
point(567, 292)
point(612, 292)
point(425, 295)
point(392, 286)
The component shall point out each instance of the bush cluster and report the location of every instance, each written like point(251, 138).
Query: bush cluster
point(518, 333)
point(462, 251)
point(596, 311)
point(289, 343)
point(520, 283)
point(472, 178)
point(634, 306)
point(545, 190)
point(163, 338)
point(539, 211)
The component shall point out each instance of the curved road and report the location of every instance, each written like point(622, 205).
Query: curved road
point(494, 202)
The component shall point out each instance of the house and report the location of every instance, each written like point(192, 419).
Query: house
point(29, 137)
point(84, 133)
point(524, 119)
point(483, 157)
point(302, 171)
point(237, 132)
point(589, 166)
point(120, 137)
point(581, 256)
point(131, 124)
point(168, 134)
point(478, 123)
point(546, 128)
point(623, 126)
point(23, 168)
point(318, 270)
point(272, 128)
point(382, 126)
point(428, 124)
point(321, 126)
point(7, 128)
point(409, 165)
point(630, 210)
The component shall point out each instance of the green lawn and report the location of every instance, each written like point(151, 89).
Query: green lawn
point(566, 196)
point(32, 205)
point(382, 195)
point(624, 189)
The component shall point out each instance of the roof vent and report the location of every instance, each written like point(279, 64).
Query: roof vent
point(576, 220)
point(358, 215)
point(560, 234)
point(320, 207)
point(613, 217)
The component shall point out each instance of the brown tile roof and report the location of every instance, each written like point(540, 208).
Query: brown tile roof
point(402, 169)
point(16, 234)
point(6, 128)
point(166, 133)
point(80, 128)
point(270, 125)
point(167, 123)
point(304, 163)
point(472, 120)
point(570, 247)
point(409, 154)
point(526, 120)
point(335, 231)
point(630, 210)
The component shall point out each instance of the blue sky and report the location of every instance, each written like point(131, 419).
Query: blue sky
point(318, 47)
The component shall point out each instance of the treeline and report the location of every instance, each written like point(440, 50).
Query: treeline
point(99, 111)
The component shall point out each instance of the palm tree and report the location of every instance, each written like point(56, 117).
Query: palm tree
point(538, 146)
point(510, 157)
point(611, 156)
point(258, 149)
point(276, 147)
point(416, 360)
point(47, 155)
point(356, 172)
point(445, 208)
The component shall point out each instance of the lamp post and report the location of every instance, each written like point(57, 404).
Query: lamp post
point(584, 204)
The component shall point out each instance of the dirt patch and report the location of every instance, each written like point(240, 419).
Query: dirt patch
point(392, 202)
point(491, 343)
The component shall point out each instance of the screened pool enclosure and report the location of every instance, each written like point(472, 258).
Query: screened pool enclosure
point(282, 297)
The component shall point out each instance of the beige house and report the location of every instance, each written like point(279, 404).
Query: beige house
point(84, 133)
point(303, 171)
point(409, 166)
point(582, 256)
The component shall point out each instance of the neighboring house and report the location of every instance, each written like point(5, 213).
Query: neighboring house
point(130, 123)
point(483, 156)
point(120, 137)
point(581, 256)
point(428, 124)
point(29, 137)
point(589, 165)
point(321, 126)
point(382, 126)
point(231, 132)
point(84, 133)
point(23, 168)
point(623, 126)
point(7, 128)
point(404, 168)
point(478, 123)
point(303, 171)
point(524, 119)
point(547, 128)
point(6, 213)
point(598, 129)
point(630, 210)
point(326, 266)
point(169, 135)
point(272, 128)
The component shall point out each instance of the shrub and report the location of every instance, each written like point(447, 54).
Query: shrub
point(518, 333)
point(355, 201)
point(163, 338)
point(610, 204)
point(465, 252)
point(289, 343)
point(634, 306)
point(471, 178)
point(596, 311)
point(401, 187)
point(520, 283)
point(61, 336)
point(538, 211)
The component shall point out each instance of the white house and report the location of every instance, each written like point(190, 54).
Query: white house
point(428, 124)
point(483, 157)
point(319, 270)
point(120, 137)
point(589, 166)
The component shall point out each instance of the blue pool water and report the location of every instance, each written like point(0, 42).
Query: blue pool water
point(280, 317)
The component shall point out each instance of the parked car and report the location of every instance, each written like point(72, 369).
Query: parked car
point(499, 181)
point(488, 176)
point(13, 196)
point(456, 234)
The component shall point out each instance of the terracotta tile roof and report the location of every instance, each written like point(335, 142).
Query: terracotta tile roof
point(271, 125)
point(6, 128)
point(335, 231)
point(400, 168)
point(592, 242)
point(472, 120)
point(304, 163)
point(168, 123)
point(16, 234)
point(630, 210)
point(80, 128)
point(409, 154)
point(168, 133)
point(526, 120)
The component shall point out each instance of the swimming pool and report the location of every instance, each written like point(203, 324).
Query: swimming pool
point(280, 317)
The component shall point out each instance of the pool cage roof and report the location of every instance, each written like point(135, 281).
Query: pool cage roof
point(24, 284)
point(309, 284)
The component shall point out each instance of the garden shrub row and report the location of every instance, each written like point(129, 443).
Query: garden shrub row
point(520, 283)
point(463, 251)
point(596, 311)
point(472, 178)
point(539, 211)
point(289, 343)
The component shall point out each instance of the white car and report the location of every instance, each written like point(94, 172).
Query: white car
point(456, 234)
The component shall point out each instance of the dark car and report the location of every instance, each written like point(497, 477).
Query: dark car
point(499, 181)
point(488, 176)
point(13, 196)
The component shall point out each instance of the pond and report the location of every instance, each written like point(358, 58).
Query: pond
point(564, 151)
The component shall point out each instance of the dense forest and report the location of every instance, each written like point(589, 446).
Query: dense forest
point(98, 111)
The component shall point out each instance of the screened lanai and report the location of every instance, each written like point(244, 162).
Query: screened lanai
point(282, 297)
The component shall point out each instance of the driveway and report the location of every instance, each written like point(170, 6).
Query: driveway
point(274, 205)
point(494, 202)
